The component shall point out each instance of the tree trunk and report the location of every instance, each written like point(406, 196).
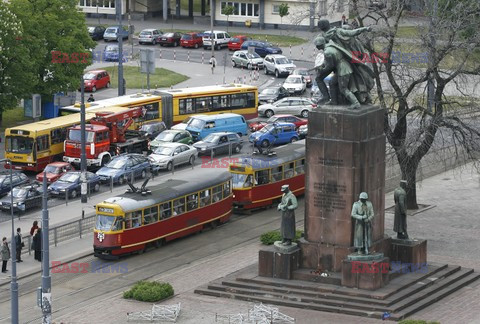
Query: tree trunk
point(409, 173)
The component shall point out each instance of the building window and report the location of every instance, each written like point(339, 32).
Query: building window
point(241, 9)
point(322, 7)
point(341, 6)
point(276, 9)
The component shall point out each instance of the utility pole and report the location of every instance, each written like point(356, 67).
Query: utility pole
point(431, 82)
point(46, 280)
point(118, 6)
point(83, 157)
point(212, 36)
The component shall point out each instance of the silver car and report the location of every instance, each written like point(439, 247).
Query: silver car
point(295, 84)
point(245, 59)
point(167, 155)
point(149, 36)
point(278, 65)
point(292, 105)
point(112, 34)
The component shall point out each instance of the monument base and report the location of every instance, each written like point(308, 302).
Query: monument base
point(276, 263)
point(408, 251)
point(362, 274)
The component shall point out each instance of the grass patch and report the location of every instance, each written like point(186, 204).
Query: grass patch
point(269, 238)
point(14, 117)
point(149, 291)
point(162, 78)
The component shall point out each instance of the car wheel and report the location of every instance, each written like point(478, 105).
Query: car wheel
point(97, 187)
point(121, 180)
point(154, 42)
point(192, 160)
point(265, 70)
point(106, 40)
point(293, 139)
point(249, 66)
point(175, 44)
point(94, 88)
point(144, 174)
point(304, 113)
point(169, 166)
point(265, 143)
point(234, 64)
point(205, 47)
point(196, 46)
point(108, 84)
point(269, 113)
point(277, 74)
point(73, 194)
point(238, 148)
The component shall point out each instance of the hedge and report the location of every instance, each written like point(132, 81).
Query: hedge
point(269, 238)
point(149, 291)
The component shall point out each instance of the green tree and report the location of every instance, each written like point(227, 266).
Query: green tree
point(227, 11)
point(283, 11)
point(15, 61)
point(56, 37)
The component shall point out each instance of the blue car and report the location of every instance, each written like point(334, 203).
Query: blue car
point(70, 184)
point(18, 178)
point(111, 54)
point(121, 168)
point(274, 134)
point(261, 48)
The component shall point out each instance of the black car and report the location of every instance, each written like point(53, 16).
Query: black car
point(24, 197)
point(152, 129)
point(219, 143)
point(272, 94)
point(96, 32)
point(18, 178)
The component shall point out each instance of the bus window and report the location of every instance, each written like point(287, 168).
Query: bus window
point(42, 143)
point(166, 210)
point(128, 220)
point(137, 218)
point(178, 206)
point(226, 189)
point(192, 202)
point(203, 104)
point(251, 99)
point(150, 215)
point(277, 173)
point(185, 106)
point(262, 177)
point(300, 166)
point(58, 135)
point(289, 170)
point(217, 193)
point(205, 198)
point(239, 101)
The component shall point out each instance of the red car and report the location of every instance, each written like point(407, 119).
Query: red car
point(171, 39)
point(94, 80)
point(236, 42)
point(54, 171)
point(191, 40)
point(256, 126)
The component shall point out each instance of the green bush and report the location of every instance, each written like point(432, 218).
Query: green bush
point(408, 321)
point(149, 291)
point(269, 238)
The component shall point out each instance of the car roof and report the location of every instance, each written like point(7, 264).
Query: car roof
point(215, 31)
point(277, 55)
point(170, 144)
point(285, 124)
point(241, 51)
point(59, 163)
point(96, 71)
point(218, 116)
point(238, 36)
point(176, 131)
point(285, 115)
point(222, 133)
point(149, 29)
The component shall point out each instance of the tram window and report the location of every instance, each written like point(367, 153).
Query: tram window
point(262, 177)
point(289, 170)
point(226, 189)
point(277, 173)
point(300, 166)
point(166, 210)
point(249, 183)
point(117, 226)
point(192, 202)
point(205, 198)
point(178, 206)
point(217, 193)
point(137, 218)
point(185, 106)
point(150, 215)
point(128, 220)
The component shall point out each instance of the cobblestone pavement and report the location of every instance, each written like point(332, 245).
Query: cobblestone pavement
point(451, 228)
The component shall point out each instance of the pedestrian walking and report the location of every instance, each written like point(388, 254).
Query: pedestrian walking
point(34, 227)
point(91, 98)
point(19, 244)
point(5, 254)
point(37, 244)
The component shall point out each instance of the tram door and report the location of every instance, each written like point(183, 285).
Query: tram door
point(167, 109)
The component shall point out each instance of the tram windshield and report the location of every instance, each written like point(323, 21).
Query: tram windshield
point(107, 223)
point(242, 180)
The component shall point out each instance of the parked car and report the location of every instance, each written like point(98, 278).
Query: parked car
point(272, 94)
point(111, 54)
point(152, 129)
point(191, 40)
point(292, 105)
point(219, 143)
point(261, 48)
point(245, 59)
point(256, 126)
point(172, 39)
point(54, 171)
point(149, 36)
point(306, 75)
point(235, 43)
point(18, 179)
point(97, 79)
point(96, 32)
point(24, 197)
point(278, 64)
point(274, 134)
point(112, 33)
point(302, 131)
point(121, 168)
point(220, 39)
point(173, 136)
point(295, 84)
point(183, 124)
point(166, 155)
point(201, 126)
point(70, 184)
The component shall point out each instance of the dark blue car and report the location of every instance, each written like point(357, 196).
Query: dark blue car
point(261, 48)
point(70, 184)
point(111, 54)
point(121, 168)
point(274, 134)
point(18, 178)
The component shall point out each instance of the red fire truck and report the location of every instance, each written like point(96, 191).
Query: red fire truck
point(107, 135)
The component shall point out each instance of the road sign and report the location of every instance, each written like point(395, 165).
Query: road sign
point(147, 60)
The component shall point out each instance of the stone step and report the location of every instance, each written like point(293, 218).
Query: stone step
point(434, 297)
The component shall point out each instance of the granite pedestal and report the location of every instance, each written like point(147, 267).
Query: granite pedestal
point(278, 261)
point(369, 272)
point(408, 251)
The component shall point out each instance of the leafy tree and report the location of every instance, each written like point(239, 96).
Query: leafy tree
point(227, 11)
point(56, 37)
point(15, 62)
point(283, 11)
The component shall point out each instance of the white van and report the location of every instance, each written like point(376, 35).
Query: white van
point(220, 39)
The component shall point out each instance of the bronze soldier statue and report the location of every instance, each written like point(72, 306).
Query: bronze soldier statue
point(288, 206)
point(400, 220)
point(362, 211)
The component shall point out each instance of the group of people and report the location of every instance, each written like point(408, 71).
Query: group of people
point(35, 232)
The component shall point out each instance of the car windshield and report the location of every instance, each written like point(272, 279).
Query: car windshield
point(53, 169)
point(163, 150)
point(211, 138)
point(104, 223)
point(235, 39)
point(301, 72)
point(76, 135)
point(69, 177)
point(186, 37)
point(111, 48)
point(252, 55)
point(117, 164)
point(165, 136)
point(91, 29)
point(145, 33)
point(267, 129)
point(18, 192)
point(269, 91)
point(111, 30)
point(196, 123)
point(168, 35)
point(238, 180)
point(19, 144)
point(89, 76)
point(293, 80)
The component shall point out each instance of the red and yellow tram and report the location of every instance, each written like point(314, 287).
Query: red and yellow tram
point(178, 207)
point(257, 180)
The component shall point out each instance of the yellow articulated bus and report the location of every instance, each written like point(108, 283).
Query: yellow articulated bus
point(32, 146)
point(176, 105)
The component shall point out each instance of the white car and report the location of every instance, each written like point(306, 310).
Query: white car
point(278, 64)
point(220, 39)
point(295, 84)
point(168, 155)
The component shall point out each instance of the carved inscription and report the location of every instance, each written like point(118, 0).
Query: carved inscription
point(329, 196)
point(330, 162)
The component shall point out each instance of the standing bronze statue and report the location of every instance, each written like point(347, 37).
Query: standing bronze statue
point(400, 221)
point(362, 211)
point(288, 206)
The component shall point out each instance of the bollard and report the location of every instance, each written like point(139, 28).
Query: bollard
point(80, 227)
point(290, 50)
point(174, 55)
point(66, 197)
point(160, 54)
point(111, 184)
point(203, 56)
point(55, 235)
point(188, 56)
point(302, 51)
point(173, 166)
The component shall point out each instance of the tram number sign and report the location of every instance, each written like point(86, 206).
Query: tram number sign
point(105, 210)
